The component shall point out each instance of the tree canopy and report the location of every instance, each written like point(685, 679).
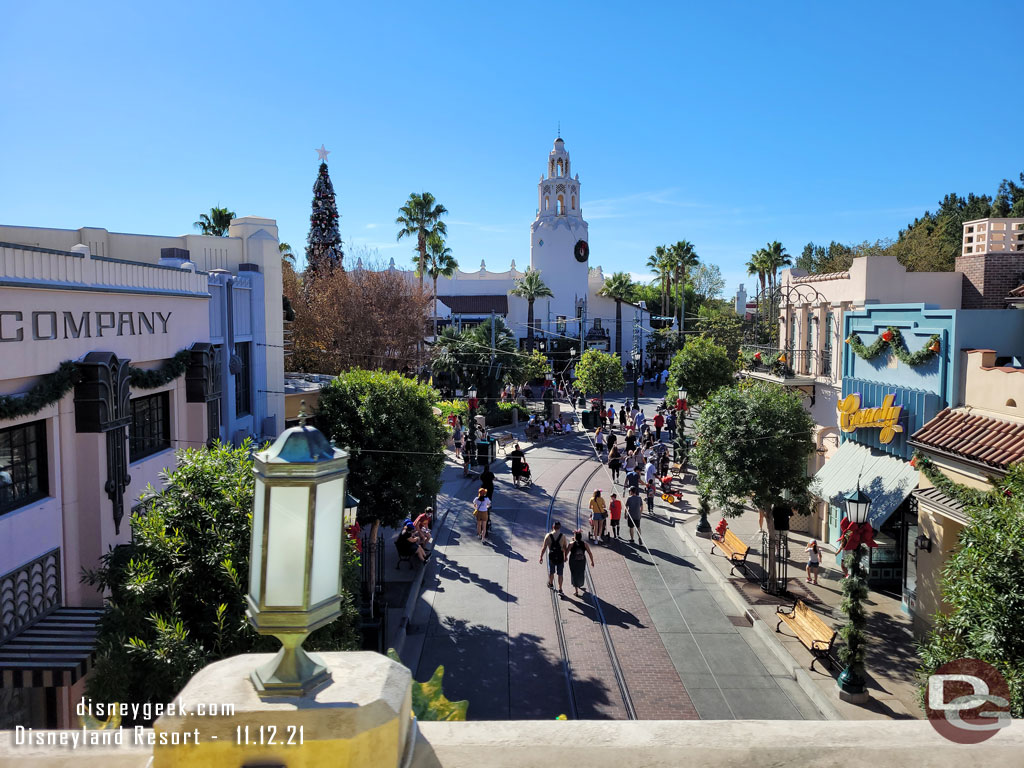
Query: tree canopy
point(471, 361)
point(983, 585)
point(752, 445)
point(420, 218)
point(215, 223)
point(701, 367)
point(599, 372)
point(387, 424)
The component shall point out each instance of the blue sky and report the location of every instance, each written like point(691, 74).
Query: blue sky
point(729, 124)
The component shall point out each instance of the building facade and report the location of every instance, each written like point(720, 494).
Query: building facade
point(117, 350)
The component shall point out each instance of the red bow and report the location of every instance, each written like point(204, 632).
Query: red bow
point(854, 534)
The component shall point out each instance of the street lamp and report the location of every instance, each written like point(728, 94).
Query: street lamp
point(295, 566)
point(851, 683)
point(636, 373)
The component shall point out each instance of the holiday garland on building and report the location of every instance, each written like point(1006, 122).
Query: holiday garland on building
point(56, 385)
point(891, 337)
point(323, 250)
point(969, 497)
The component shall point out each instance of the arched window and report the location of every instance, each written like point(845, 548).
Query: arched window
point(573, 202)
point(547, 201)
point(559, 165)
point(560, 211)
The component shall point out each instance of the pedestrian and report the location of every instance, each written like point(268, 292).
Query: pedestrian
point(659, 422)
point(630, 439)
point(599, 442)
point(423, 523)
point(651, 493)
point(481, 511)
point(664, 378)
point(813, 560)
point(611, 440)
point(640, 385)
point(487, 481)
point(611, 416)
point(634, 513)
point(623, 415)
point(517, 457)
point(457, 436)
point(629, 463)
point(598, 515)
point(639, 420)
point(615, 513)
point(670, 425)
point(650, 470)
point(409, 543)
point(578, 552)
point(467, 454)
point(554, 546)
point(632, 479)
point(614, 462)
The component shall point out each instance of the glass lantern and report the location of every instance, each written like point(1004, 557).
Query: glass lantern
point(858, 504)
point(298, 540)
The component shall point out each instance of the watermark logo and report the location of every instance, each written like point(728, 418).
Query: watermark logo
point(968, 701)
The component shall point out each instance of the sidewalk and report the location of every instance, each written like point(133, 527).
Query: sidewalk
point(891, 660)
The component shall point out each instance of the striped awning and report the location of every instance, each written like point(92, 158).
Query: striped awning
point(887, 480)
point(54, 652)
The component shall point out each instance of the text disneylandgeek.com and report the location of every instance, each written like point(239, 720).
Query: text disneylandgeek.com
point(105, 729)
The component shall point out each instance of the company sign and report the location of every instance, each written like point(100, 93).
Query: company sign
point(50, 325)
point(886, 417)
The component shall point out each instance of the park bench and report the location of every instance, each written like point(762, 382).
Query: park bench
point(817, 636)
point(733, 548)
point(504, 441)
point(404, 557)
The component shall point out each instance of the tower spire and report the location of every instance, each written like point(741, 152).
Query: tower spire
point(559, 129)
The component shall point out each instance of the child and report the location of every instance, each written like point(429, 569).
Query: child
point(650, 496)
point(615, 508)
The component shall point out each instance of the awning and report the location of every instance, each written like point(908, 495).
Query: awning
point(886, 479)
point(54, 652)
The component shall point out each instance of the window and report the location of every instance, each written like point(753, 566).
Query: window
point(23, 476)
point(243, 390)
point(150, 430)
point(597, 323)
point(560, 324)
point(560, 206)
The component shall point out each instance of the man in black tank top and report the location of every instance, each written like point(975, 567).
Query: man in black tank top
point(554, 546)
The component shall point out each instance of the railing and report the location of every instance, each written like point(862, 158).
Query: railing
point(786, 363)
point(29, 593)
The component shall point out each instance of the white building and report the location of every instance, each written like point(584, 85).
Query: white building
point(85, 315)
point(560, 251)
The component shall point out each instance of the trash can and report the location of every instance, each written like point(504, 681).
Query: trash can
point(486, 452)
point(588, 420)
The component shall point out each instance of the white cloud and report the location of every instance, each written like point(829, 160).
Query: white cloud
point(372, 226)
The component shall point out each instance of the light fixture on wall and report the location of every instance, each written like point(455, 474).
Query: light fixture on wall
point(923, 542)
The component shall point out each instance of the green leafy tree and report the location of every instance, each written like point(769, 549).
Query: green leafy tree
point(530, 287)
point(420, 217)
point(701, 367)
point(215, 223)
point(707, 281)
point(752, 446)
point(176, 592)
point(531, 367)
point(618, 287)
point(722, 327)
point(395, 445)
point(598, 372)
point(983, 585)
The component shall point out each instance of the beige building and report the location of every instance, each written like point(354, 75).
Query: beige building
point(971, 444)
point(116, 350)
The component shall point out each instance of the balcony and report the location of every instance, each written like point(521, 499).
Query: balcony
point(797, 368)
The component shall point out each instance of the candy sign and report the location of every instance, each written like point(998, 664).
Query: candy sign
point(886, 417)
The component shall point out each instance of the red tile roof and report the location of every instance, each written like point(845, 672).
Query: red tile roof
point(983, 439)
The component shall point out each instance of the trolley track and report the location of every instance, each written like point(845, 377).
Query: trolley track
point(627, 701)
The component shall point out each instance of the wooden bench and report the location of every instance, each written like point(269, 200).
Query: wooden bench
point(817, 636)
point(504, 441)
point(733, 548)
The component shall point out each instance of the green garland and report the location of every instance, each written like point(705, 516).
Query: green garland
point(923, 355)
point(56, 385)
point(165, 374)
point(969, 497)
point(770, 361)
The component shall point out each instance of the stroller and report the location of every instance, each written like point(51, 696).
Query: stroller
point(525, 479)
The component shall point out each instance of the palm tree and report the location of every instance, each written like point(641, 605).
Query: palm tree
point(758, 265)
point(287, 254)
point(618, 287)
point(420, 217)
point(682, 256)
point(659, 263)
point(440, 263)
point(775, 258)
point(531, 288)
point(215, 223)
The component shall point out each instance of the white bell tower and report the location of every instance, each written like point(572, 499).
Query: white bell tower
point(558, 236)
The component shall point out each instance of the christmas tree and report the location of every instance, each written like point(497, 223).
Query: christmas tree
point(323, 249)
